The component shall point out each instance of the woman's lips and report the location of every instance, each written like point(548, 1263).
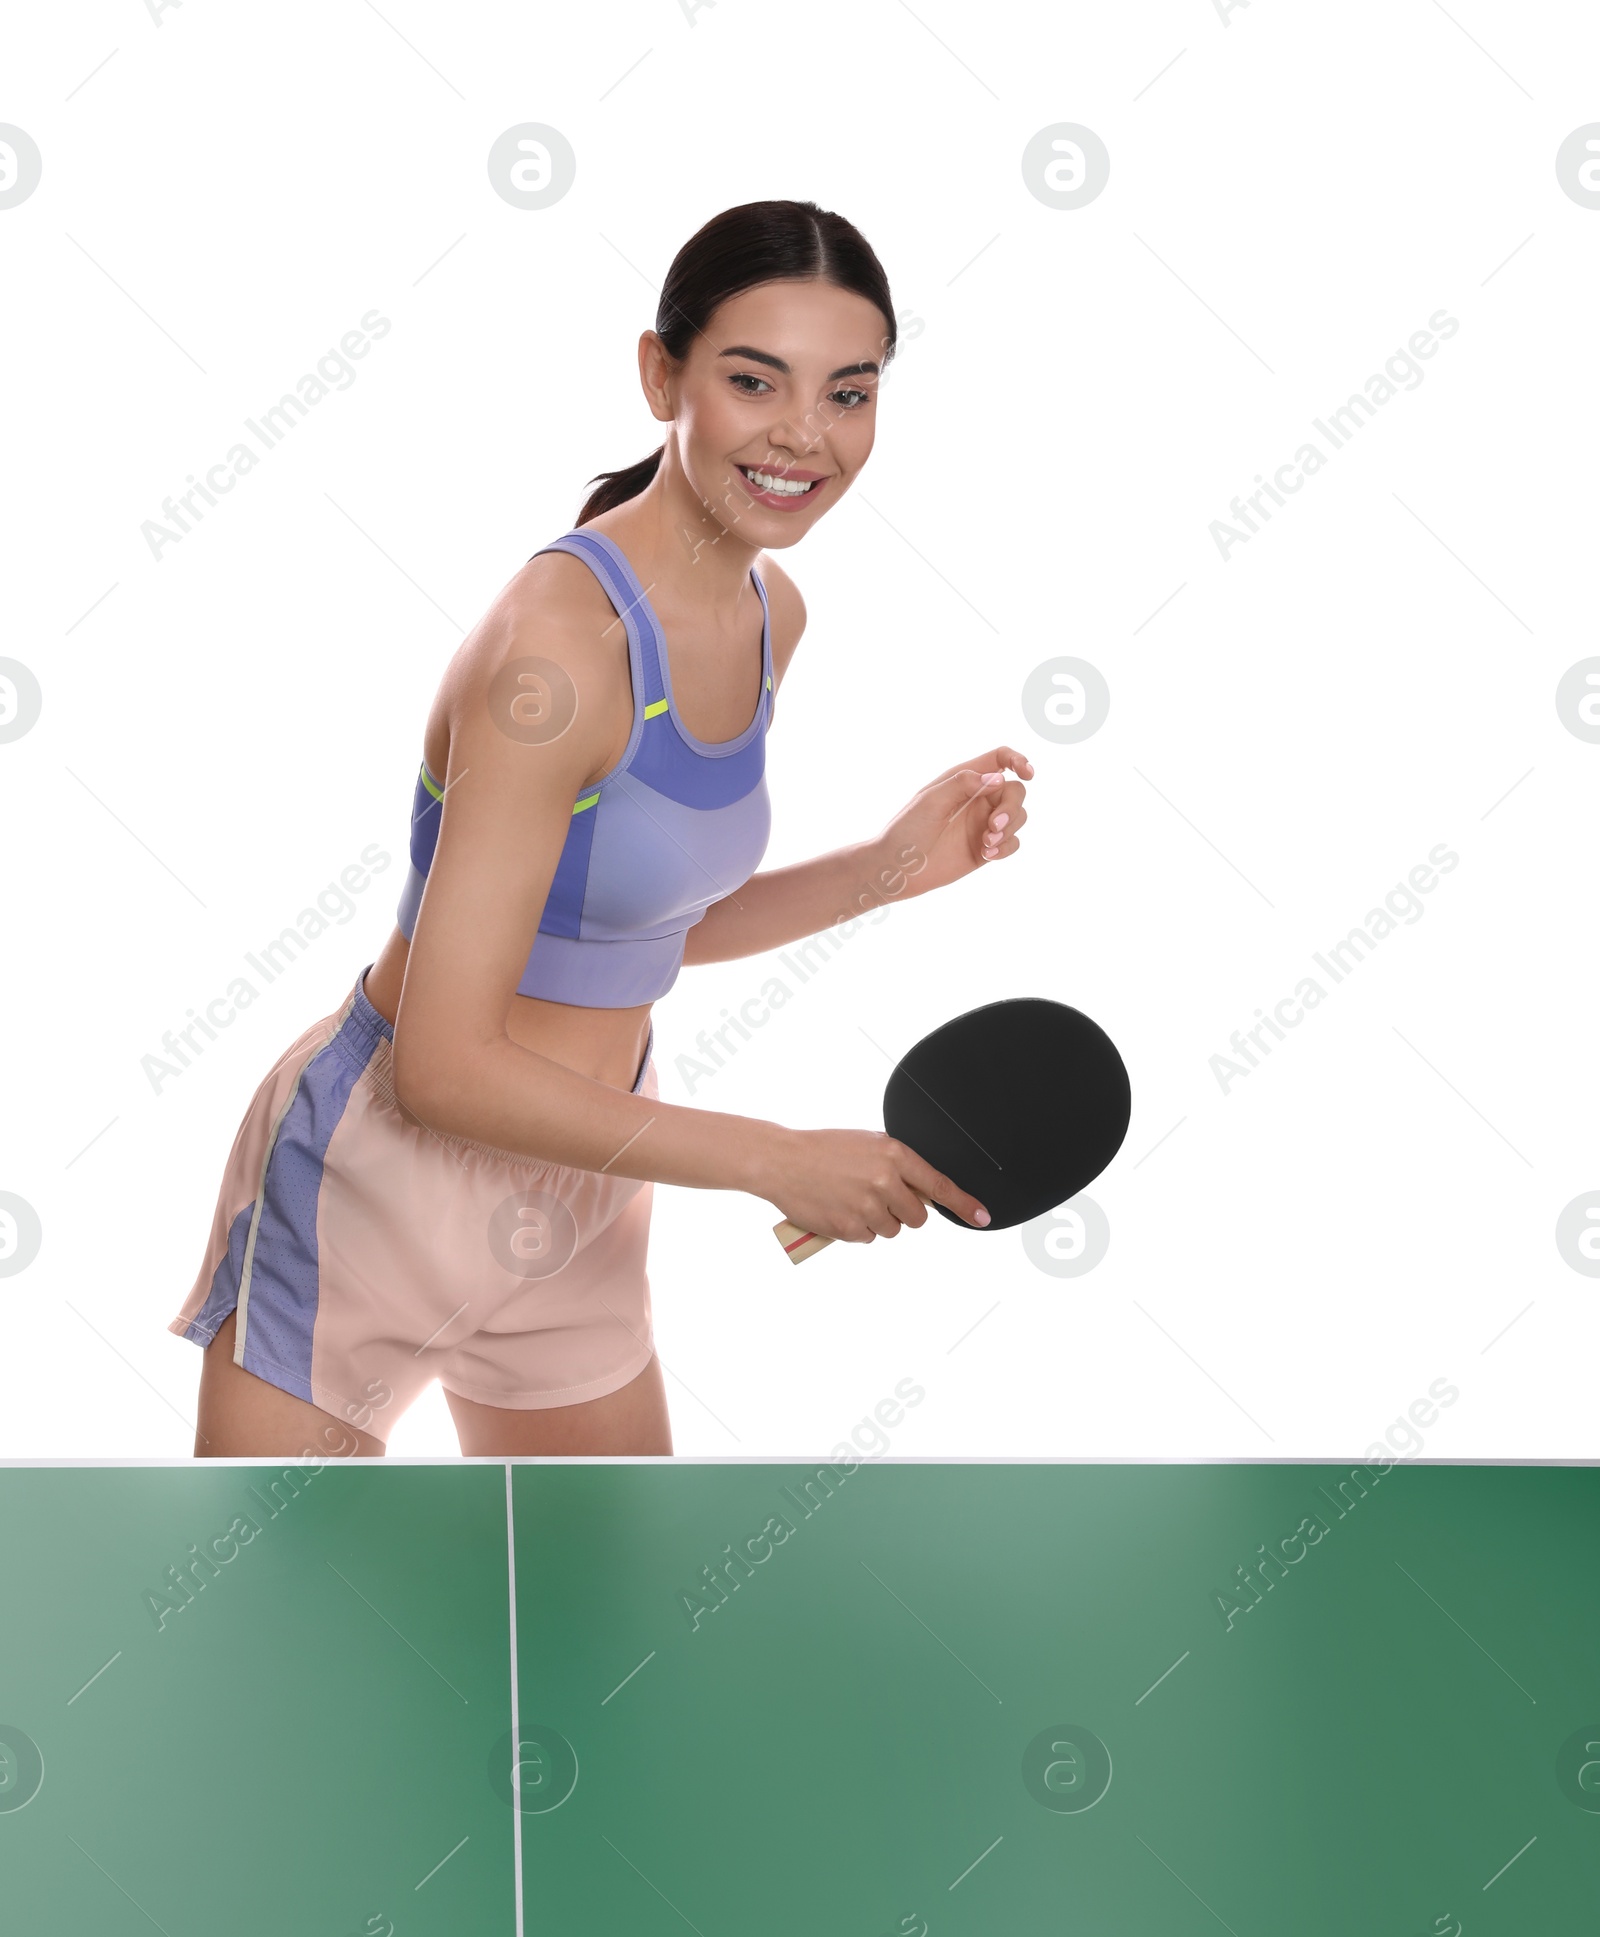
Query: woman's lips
point(781, 500)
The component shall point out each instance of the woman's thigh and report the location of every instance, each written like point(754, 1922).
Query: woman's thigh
point(632, 1420)
point(243, 1417)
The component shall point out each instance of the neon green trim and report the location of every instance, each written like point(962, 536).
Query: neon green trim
point(585, 803)
point(769, 682)
point(427, 781)
point(656, 706)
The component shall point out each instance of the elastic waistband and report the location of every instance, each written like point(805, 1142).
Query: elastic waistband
point(362, 1029)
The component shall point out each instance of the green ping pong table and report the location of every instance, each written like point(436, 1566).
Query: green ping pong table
point(890, 1699)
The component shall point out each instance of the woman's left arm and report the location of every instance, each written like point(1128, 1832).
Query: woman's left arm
point(970, 814)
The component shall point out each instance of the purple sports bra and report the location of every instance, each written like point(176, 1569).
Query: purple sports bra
point(677, 824)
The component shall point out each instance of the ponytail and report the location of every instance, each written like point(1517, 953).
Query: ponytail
point(619, 486)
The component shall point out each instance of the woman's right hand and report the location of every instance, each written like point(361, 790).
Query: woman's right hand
point(857, 1185)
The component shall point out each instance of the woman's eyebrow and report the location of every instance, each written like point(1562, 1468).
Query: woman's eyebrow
point(777, 363)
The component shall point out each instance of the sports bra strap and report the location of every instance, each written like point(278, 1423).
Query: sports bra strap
point(623, 589)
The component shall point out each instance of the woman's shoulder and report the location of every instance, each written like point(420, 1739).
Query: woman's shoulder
point(559, 588)
point(553, 606)
point(548, 639)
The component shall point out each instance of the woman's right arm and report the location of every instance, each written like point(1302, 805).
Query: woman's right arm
point(505, 815)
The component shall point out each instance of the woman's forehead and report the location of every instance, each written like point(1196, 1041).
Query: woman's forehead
point(799, 322)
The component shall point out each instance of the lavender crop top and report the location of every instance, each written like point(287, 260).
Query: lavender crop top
point(677, 824)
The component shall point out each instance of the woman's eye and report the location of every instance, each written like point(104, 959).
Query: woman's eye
point(851, 399)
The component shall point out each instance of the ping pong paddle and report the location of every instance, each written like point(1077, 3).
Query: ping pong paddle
point(1022, 1103)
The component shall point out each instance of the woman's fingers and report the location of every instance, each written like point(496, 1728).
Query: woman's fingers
point(1003, 825)
point(908, 1204)
point(1002, 758)
point(865, 1185)
point(993, 805)
point(933, 1187)
point(996, 761)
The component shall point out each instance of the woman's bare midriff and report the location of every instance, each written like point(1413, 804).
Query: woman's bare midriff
point(606, 1045)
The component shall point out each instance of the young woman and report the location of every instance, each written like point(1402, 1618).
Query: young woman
point(451, 1177)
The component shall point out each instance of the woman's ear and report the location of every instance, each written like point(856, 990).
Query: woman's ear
point(655, 377)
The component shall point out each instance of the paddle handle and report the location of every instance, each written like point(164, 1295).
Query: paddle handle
point(801, 1245)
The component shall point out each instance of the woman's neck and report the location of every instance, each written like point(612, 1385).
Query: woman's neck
point(685, 558)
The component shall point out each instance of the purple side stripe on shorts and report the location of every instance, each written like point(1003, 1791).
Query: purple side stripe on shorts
point(280, 1289)
point(224, 1292)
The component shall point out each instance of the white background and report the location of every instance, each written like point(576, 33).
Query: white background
point(1293, 193)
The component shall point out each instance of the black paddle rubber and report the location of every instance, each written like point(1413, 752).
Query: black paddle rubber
point(1021, 1102)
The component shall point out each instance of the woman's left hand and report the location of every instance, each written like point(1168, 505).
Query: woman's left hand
point(969, 815)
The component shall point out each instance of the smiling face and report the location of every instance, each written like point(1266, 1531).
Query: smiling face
point(774, 408)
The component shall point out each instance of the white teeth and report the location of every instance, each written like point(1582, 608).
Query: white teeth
point(785, 487)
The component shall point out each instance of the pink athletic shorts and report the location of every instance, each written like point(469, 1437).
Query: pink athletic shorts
point(368, 1255)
